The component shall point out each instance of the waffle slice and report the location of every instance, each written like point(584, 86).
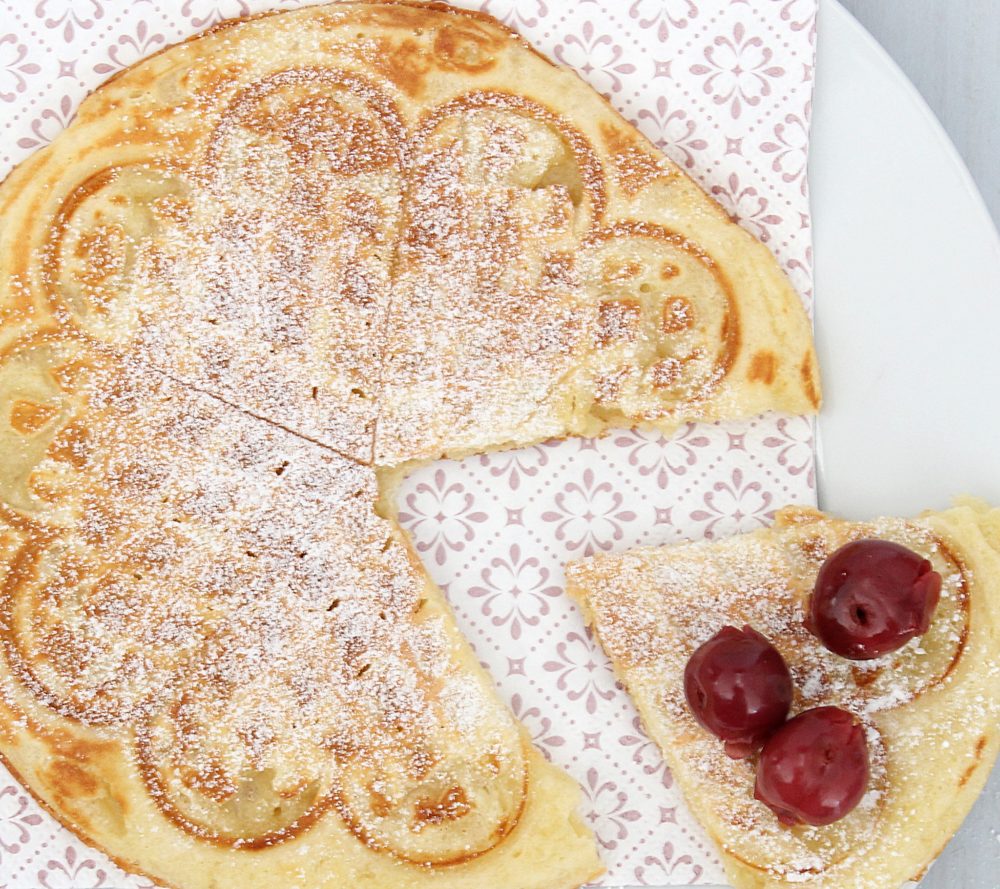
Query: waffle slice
point(930, 708)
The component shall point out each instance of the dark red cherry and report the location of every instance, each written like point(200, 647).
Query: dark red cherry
point(814, 769)
point(739, 688)
point(872, 597)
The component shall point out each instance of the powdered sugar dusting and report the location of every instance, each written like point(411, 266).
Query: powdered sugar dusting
point(653, 607)
point(228, 590)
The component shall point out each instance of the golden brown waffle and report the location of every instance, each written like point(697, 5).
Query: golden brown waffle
point(261, 274)
point(213, 643)
point(930, 708)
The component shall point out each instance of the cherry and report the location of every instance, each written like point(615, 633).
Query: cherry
point(739, 688)
point(872, 597)
point(814, 769)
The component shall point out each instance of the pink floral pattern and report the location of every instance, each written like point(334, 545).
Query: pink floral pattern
point(789, 148)
point(738, 69)
point(515, 592)
point(800, 15)
point(610, 815)
point(794, 442)
point(49, 124)
point(663, 15)
point(662, 458)
point(72, 871)
point(589, 515)
point(723, 88)
point(17, 817)
point(201, 13)
point(15, 69)
point(735, 505)
point(672, 130)
point(514, 467)
point(441, 517)
point(668, 867)
point(130, 48)
point(747, 206)
point(583, 671)
point(541, 728)
point(596, 55)
point(645, 753)
point(517, 13)
point(82, 14)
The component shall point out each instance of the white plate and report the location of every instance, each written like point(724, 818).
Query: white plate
point(907, 321)
point(907, 292)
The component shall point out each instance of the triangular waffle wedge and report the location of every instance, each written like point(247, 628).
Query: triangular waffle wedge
point(342, 238)
point(931, 708)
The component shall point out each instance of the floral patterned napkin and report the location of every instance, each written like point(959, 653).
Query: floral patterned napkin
point(724, 87)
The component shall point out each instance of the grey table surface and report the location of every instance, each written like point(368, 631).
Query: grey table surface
point(950, 49)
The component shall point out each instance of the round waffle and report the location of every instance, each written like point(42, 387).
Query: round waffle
point(260, 275)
